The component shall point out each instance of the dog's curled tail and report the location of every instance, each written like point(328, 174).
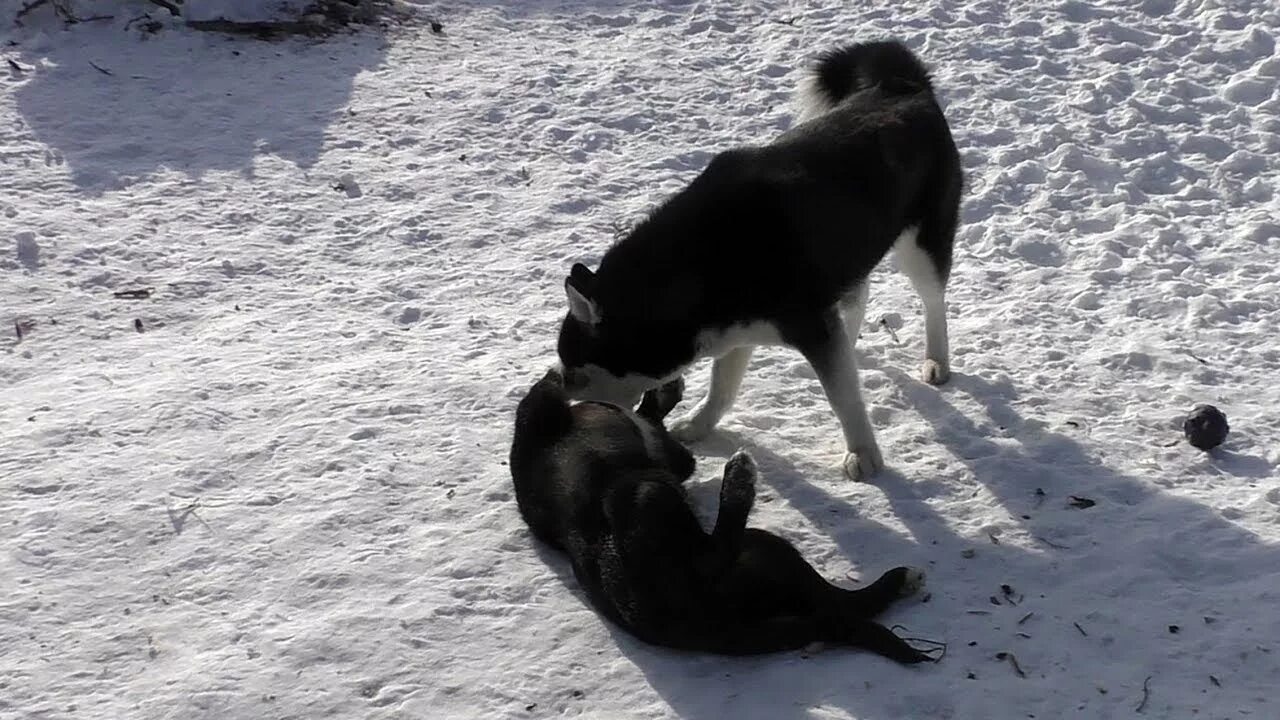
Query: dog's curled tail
point(845, 70)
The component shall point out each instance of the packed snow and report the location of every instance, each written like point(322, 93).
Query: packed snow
point(275, 486)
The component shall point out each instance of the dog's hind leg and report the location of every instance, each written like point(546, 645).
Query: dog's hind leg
point(778, 602)
point(727, 372)
point(873, 599)
point(854, 306)
point(737, 495)
point(928, 274)
point(825, 343)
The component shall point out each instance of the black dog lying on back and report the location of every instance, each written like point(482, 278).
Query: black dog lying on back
point(603, 485)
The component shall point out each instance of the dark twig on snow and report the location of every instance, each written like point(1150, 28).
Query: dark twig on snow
point(1013, 660)
point(1082, 632)
point(788, 21)
point(173, 9)
point(257, 29)
point(932, 645)
point(16, 67)
point(136, 294)
point(58, 9)
point(884, 323)
point(1052, 544)
point(1146, 694)
point(1026, 617)
point(29, 7)
point(100, 69)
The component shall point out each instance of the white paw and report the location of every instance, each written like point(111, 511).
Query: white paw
point(863, 463)
point(912, 583)
point(691, 429)
point(935, 372)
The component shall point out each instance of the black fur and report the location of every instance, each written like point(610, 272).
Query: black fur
point(780, 232)
point(844, 71)
point(589, 483)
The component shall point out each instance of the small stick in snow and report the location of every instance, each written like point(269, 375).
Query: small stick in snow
point(16, 67)
point(1013, 660)
point(1146, 693)
point(100, 69)
point(1052, 544)
point(1082, 632)
point(29, 7)
point(173, 9)
point(23, 328)
point(789, 21)
point(1039, 498)
point(1026, 617)
point(135, 294)
point(884, 323)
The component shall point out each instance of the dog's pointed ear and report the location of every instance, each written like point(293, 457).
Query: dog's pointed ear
point(579, 286)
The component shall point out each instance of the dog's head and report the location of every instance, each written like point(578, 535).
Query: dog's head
point(603, 350)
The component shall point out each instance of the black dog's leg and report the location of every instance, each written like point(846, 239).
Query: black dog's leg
point(773, 591)
point(737, 495)
point(777, 634)
point(658, 403)
point(872, 600)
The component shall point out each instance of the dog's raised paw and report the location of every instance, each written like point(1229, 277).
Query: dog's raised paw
point(912, 582)
point(690, 429)
point(741, 465)
point(934, 372)
point(863, 464)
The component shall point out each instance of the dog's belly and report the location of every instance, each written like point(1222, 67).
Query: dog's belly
point(714, 343)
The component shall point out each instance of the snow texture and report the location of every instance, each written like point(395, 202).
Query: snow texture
point(286, 496)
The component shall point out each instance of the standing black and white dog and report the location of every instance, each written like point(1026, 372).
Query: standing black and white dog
point(604, 485)
point(774, 244)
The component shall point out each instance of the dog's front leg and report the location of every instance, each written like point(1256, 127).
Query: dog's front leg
point(826, 344)
point(726, 379)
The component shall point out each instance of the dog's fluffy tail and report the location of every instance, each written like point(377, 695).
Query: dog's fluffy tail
point(844, 71)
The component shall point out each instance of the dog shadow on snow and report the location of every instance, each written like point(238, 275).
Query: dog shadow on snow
point(117, 105)
point(1051, 570)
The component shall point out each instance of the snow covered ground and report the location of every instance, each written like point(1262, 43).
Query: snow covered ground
point(285, 495)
